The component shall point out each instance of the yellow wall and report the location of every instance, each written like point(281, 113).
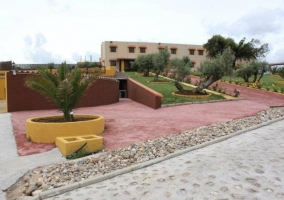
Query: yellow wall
point(2, 85)
point(122, 65)
point(110, 71)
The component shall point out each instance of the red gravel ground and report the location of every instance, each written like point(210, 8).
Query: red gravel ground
point(129, 122)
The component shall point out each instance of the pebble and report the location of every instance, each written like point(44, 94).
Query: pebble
point(68, 172)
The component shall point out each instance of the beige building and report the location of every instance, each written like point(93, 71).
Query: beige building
point(120, 54)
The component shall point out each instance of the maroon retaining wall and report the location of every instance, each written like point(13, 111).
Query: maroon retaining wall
point(144, 95)
point(20, 98)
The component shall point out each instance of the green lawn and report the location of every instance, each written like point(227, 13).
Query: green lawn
point(267, 81)
point(166, 89)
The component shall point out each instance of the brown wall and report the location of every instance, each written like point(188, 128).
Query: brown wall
point(144, 95)
point(19, 97)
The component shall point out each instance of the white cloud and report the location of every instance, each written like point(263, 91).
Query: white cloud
point(68, 29)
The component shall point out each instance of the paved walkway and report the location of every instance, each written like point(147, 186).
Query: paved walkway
point(13, 166)
point(126, 125)
point(248, 166)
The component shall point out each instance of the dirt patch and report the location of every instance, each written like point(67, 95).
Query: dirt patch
point(61, 119)
point(190, 93)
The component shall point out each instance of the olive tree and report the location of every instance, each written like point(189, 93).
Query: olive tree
point(181, 68)
point(143, 63)
point(50, 66)
point(255, 68)
point(214, 69)
point(160, 61)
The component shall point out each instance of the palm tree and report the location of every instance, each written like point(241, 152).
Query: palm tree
point(64, 90)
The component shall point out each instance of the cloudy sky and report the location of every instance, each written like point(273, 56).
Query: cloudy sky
point(42, 31)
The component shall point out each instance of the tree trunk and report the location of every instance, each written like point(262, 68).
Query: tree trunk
point(246, 78)
point(205, 84)
point(156, 77)
point(260, 77)
point(255, 77)
point(146, 72)
point(178, 86)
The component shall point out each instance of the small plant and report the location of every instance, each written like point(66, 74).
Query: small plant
point(220, 90)
point(81, 152)
point(237, 82)
point(236, 93)
point(215, 87)
point(267, 88)
point(196, 83)
point(29, 139)
point(247, 84)
point(275, 89)
point(187, 80)
point(282, 90)
point(258, 85)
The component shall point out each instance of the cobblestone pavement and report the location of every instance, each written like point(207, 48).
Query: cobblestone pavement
point(248, 166)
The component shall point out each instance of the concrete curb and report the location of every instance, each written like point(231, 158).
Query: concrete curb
point(100, 178)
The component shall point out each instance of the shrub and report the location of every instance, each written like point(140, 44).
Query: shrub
point(236, 93)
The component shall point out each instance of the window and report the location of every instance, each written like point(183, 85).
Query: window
point(160, 49)
point(112, 63)
point(131, 49)
point(112, 49)
point(193, 64)
point(191, 51)
point(200, 52)
point(142, 50)
point(173, 51)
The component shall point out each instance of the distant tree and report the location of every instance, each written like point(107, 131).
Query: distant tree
point(86, 65)
point(274, 70)
point(214, 69)
point(134, 65)
point(50, 66)
point(143, 63)
point(245, 51)
point(254, 68)
point(181, 68)
point(160, 60)
point(281, 72)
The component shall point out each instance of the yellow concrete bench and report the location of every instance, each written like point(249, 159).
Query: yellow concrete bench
point(69, 145)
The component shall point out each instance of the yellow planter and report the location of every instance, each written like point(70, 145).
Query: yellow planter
point(42, 132)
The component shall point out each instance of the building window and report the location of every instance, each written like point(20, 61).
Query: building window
point(131, 49)
point(112, 49)
point(160, 49)
point(142, 50)
point(112, 63)
point(193, 64)
point(173, 51)
point(200, 52)
point(191, 51)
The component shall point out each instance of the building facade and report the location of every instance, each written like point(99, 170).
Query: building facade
point(120, 54)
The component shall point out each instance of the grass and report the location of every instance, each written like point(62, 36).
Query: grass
point(267, 81)
point(166, 89)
